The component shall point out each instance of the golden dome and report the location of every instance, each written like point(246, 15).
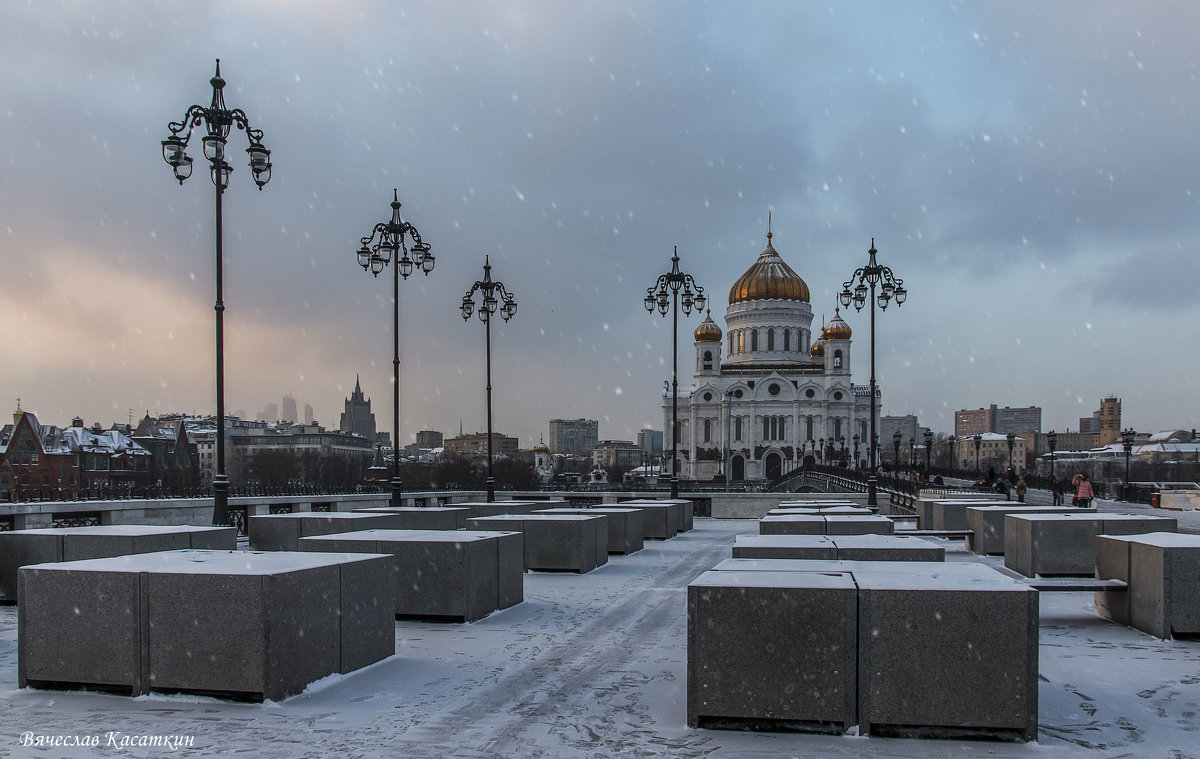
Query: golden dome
point(769, 279)
point(708, 331)
point(818, 348)
point(838, 329)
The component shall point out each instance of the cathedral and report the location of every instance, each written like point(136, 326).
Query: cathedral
point(766, 397)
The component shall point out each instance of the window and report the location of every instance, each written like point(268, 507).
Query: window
point(731, 343)
point(808, 394)
point(837, 428)
point(737, 428)
point(708, 361)
point(838, 395)
point(771, 339)
point(773, 388)
point(707, 430)
point(708, 396)
point(787, 339)
point(753, 339)
point(808, 426)
point(837, 359)
point(766, 428)
point(741, 341)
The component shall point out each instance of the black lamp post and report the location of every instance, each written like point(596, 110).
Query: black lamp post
point(821, 455)
point(373, 255)
point(978, 444)
point(896, 438)
point(928, 449)
point(842, 450)
point(508, 309)
point(1051, 440)
point(666, 294)
point(1011, 439)
point(855, 451)
point(889, 287)
point(1127, 438)
point(218, 121)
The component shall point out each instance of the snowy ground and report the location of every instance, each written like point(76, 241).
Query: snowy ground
point(593, 666)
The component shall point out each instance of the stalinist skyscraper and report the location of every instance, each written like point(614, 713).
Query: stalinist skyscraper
point(357, 418)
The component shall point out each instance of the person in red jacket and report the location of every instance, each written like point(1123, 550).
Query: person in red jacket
point(1083, 491)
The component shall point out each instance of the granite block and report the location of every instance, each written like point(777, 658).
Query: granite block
point(555, 542)
point(886, 548)
point(281, 532)
point(1050, 544)
point(626, 526)
point(658, 518)
point(947, 654)
point(848, 524)
point(1112, 563)
point(772, 650)
point(792, 524)
point(986, 523)
point(1164, 584)
point(423, 517)
point(784, 547)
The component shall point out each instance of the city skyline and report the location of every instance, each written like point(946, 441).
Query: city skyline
point(1019, 167)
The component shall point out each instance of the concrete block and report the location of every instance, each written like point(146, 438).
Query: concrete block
point(845, 509)
point(659, 519)
point(951, 514)
point(1112, 563)
point(792, 524)
point(423, 517)
point(282, 532)
point(1050, 544)
point(846, 524)
point(299, 617)
point(924, 504)
point(783, 547)
point(684, 513)
point(947, 654)
point(987, 523)
point(626, 526)
point(555, 542)
point(500, 508)
point(886, 548)
point(438, 573)
point(773, 650)
point(1136, 524)
point(1164, 584)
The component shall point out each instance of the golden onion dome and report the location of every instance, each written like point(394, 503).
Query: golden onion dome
point(541, 448)
point(708, 331)
point(769, 279)
point(838, 329)
point(818, 348)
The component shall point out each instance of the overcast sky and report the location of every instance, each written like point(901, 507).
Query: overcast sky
point(1028, 169)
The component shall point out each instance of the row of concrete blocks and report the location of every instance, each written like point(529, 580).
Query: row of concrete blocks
point(903, 649)
point(20, 548)
point(252, 626)
point(837, 547)
point(825, 524)
point(1065, 544)
point(1162, 574)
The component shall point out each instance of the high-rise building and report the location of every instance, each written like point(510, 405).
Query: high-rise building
point(270, 414)
point(910, 435)
point(477, 443)
point(308, 414)
point(429, 439)
point(289, 410)
point(650, 441)
point(577, 436)
point(1001, 421)
point(1109, 416)
point(357, 418)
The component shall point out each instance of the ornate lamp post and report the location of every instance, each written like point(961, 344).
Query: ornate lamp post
point(978, 444)
point(495, 296)
point(856, 451)
point(928, 449)
point(1127, 438)
point(218, 121)
point(821, 455)
point(896, 438)
point(870, 276)
point(386, 245)
point(667, 293)
point(1011, 439)
point(1051, 440)
point(842, 450)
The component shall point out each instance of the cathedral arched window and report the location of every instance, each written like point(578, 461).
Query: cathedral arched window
point(707, 430)
point(753, 339)
point(837, 359)
point(737, 428)
point(787, 339)
point(741, 341)
point(767, 427)
point(708, 360)
point(808, 427)
point(837, 427)
point(731, 343)
point(771, 339)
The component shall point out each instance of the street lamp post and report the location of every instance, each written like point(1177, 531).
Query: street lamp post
point(1011, 439)
point(1051, 440)
point(487, 308)
point(1127, 438)
point(897, 437)
point(978, 444)
point(928, 449)
point(373, 255)
point(821, 455)
point(218, 121)
point(855, 451)
point(889, 287)
point(665, 293)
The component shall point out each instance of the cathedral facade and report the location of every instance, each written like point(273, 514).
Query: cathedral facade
point(766, 396)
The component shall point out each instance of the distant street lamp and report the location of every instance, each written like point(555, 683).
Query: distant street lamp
point(1051, 440)
point(978, 444)
point(373, 255)
point(665, 293)
point(508, 309)
point(1011, 438)
point(218, 121)
point(856, 451)
point(890, 287)
point(821, 455)
point(896, 438)
point(1127, 438)
point(842, 450)
point(928, 449)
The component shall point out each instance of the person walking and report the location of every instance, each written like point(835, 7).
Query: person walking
point(1083, 491)
point(1021, 488)
point(1056, 490)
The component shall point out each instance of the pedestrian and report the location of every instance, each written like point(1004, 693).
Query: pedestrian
point(1056, 490)
point(1083, 491)
point(1021, 488)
